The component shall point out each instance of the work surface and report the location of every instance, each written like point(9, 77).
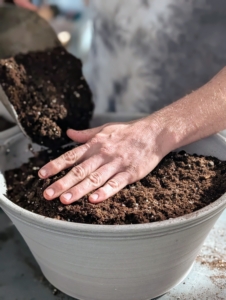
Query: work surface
point(21, 278)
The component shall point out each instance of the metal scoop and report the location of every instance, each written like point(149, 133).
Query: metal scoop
point(22, 31)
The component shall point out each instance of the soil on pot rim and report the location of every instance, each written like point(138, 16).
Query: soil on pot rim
point(5, 124)
point(49, 94)
point(179, 185)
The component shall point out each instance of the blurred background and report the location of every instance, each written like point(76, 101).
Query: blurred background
point(71, 21)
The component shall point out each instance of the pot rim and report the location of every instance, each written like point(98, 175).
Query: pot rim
point(166, 226)
point(175, 224)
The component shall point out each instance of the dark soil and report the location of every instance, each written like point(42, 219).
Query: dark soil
point(179, 185)
point(5, 124)
point(49, 93)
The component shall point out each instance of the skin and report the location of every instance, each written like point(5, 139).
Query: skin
point(117, 154)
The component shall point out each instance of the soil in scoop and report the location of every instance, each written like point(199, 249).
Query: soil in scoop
point(49, 94)
point(179, 185)
point(5, 124)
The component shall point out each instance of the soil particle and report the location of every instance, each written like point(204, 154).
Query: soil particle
point(43, 88)
point(214, 263)
point(214, 260)
point(179, 185)
point(219, 281)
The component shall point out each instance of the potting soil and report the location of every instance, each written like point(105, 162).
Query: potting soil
point(49, 94)
point(179, 185)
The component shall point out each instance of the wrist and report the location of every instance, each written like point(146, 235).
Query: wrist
point(156, 129)
point(197, 115)
point(170, 127)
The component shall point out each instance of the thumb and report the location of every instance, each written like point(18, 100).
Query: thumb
point(83, 136)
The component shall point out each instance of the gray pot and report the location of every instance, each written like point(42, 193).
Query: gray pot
point(102, 262)
point(6, 134)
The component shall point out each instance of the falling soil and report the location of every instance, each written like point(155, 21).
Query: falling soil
point(5, 124)
point(179, 185)
point(49, 94)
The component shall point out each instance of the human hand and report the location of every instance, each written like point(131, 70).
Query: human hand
point(117, 154)
point(111, 157)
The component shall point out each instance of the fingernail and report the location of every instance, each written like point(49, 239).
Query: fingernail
point(67, 196)
point(50, 192)
point(94, 197)
point(43, 172)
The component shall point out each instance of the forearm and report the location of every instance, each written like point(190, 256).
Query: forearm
point(197, 115)
point(117, 154)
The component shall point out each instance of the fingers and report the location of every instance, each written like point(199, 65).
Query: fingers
point(73, 177)
point(63, 162)
point(71, 157)
point(92, 182)
point(114, 185)
point(83, 136)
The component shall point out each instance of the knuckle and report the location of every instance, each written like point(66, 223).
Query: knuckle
point(120, 159)
point(86, 146)
point(99, 136)
point(60, 185)
point(51, 165)
point(69, 157)
point(113, 183)
point(131, 169)
point(131, 174)
point(78, 172)
point(105, 150)
point(103, 193)
point(54, 167)
point(95, 179)
point(94, 140)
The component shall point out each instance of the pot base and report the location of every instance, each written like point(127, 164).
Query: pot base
point(56, 281)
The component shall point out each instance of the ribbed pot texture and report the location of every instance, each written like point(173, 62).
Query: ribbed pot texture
point(123, 262)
